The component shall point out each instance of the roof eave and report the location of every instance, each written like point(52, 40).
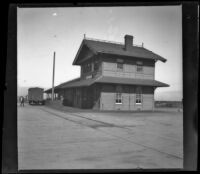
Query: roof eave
point(157, 86)
point(161, 84)
point(164, 85)
point(161, 59)
point(47, 91)
point(77, 54)
point(79, 50)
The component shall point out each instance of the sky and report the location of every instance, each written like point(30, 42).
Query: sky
point(41, 31)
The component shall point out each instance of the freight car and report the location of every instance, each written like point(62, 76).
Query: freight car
point(35, 96)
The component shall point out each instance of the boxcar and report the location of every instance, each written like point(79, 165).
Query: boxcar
point(35, 96)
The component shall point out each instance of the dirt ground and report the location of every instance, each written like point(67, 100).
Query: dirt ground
point(71, 139)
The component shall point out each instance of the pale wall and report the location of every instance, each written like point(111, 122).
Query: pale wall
point(107, 102)
point(129, 71)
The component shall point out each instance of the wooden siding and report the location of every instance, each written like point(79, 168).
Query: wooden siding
point(96, 99)
point(93, 73)
point(83, 97)
point(148, 102)
point(102, 96)
point(129, 71)
point(126, 88)
point(87, 97)
point(84, 54)
point(126, 60)
point(68, 97)
point(107, 102)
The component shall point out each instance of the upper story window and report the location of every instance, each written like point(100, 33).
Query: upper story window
point(87, 67)
point(96, 65)
point(139, 66)
point(138, 99)
point(119, 66)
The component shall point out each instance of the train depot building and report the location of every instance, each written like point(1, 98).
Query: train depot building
point(114, 76)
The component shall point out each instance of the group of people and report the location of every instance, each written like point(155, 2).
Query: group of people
point(21, 101)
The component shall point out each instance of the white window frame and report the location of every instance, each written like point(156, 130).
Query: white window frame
point(118, 98)
point(138, 97)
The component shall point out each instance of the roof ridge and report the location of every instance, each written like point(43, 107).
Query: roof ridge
point(112, 42)
point(101, 40)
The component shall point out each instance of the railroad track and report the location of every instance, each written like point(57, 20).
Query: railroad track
point(95, 124)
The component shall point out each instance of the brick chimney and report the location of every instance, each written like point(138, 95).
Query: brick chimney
point(128, 41)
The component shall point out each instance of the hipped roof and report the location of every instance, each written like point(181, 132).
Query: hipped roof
point(110, 80)
point(60, 85)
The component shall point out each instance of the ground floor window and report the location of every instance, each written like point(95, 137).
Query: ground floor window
point(118, 98)
point(138, 95)
point(138, 99)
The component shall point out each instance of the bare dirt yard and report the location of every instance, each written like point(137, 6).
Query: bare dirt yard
point(50, 138)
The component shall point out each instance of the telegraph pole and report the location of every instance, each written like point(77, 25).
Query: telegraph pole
point(54, 56)
point(52, 94)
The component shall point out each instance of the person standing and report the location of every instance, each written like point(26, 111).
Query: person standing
point(22, 101)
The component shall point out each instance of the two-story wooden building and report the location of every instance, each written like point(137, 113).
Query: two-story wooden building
point(114, 76)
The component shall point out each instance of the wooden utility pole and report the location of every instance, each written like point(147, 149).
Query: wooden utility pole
point(52, 94)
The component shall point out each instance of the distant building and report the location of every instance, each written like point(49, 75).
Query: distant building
point(114, 76)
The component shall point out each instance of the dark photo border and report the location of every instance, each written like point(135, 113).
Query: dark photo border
point(190, 38)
